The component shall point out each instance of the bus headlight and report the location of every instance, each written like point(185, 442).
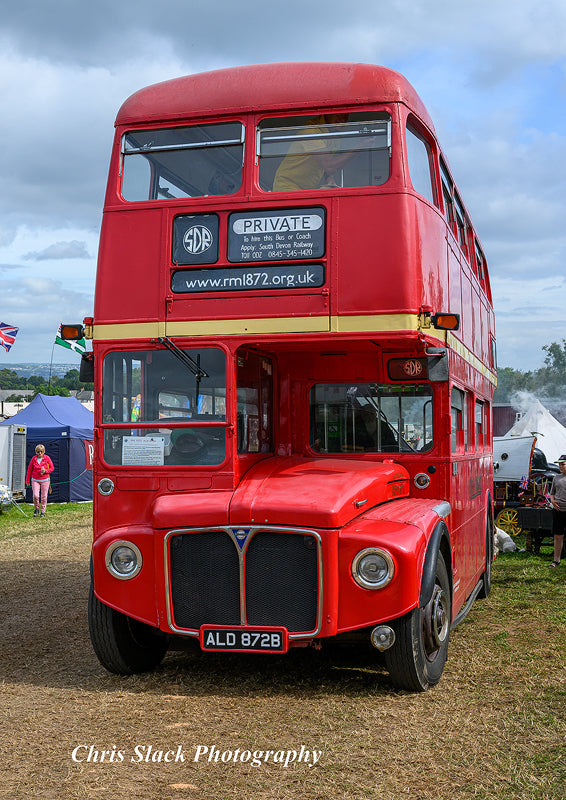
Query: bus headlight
point(373, 568)
point(123, 560)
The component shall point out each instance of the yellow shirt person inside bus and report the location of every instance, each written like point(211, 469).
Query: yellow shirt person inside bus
point(310, 162)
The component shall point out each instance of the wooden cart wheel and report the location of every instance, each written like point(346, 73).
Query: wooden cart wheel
point(508, 521)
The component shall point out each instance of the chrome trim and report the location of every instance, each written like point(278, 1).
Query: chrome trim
point(241, 550)
point(108, 559)
point(390, 568)
point(163, 148)
point(443, 509)
point(253, 529)
point(424, 475)
point(110, 490)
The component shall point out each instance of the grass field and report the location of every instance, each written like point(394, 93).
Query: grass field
point(495, 726)
point(20, 522)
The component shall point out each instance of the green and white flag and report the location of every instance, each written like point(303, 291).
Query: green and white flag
point(79, 346)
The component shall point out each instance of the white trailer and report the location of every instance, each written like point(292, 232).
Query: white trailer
point(13, 459)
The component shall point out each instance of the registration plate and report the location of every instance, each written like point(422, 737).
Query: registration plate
point(260, 640)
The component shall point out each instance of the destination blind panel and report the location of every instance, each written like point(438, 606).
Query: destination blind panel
point(234, 279)
point(284, 235)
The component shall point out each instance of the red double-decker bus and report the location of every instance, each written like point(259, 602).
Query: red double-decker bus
point(293, 351)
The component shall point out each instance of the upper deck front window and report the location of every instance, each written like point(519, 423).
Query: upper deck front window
point(324, 151)
point(195, 161)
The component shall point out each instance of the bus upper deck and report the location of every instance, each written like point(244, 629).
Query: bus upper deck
point(251, 203)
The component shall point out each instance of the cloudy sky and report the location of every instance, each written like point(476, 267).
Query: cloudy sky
point(492, 74)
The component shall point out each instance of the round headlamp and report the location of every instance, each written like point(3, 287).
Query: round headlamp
point(373, 568)
point(123, 560)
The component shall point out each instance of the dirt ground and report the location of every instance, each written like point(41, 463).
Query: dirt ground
point(494, 727)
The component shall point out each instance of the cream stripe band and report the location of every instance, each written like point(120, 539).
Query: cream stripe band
point(262, 326)
point(373, 323)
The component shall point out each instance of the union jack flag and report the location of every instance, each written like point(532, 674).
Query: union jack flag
point(524, 482)
point(7, 335)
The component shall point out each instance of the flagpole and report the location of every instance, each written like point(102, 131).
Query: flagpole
point(50, 368)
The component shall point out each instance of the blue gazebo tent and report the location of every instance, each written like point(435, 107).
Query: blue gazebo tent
point(66, 428)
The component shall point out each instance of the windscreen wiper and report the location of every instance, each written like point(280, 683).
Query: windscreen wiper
point(184, 358)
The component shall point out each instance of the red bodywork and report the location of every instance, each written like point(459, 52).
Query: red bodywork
point(391, 259)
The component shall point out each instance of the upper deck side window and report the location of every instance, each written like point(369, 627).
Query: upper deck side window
point(324, 151)
point(193, 161)
point(454, 209)
point(461, 225)
point(480, 262)
point(447, 192)
point(420, 164)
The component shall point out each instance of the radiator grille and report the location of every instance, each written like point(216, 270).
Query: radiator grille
point(204, 580)
point(280, 586)
point(281, 581)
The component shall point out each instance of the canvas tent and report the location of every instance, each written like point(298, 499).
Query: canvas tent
point(66, 429)
point(539, 422)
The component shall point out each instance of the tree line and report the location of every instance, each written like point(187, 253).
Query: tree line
point(38, 384)
point(549, 380)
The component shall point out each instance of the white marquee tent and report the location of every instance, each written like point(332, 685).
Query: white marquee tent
point(538, 421)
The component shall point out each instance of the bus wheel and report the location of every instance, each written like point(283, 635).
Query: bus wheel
point(416, 660)
point(486, 577)
point(123, 645)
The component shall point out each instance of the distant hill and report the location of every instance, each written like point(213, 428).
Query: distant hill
point(26, 370)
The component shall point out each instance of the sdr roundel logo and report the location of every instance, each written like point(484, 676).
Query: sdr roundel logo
point(195, 239)
point(198, 239)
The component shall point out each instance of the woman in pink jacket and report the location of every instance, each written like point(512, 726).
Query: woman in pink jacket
point(39, 469)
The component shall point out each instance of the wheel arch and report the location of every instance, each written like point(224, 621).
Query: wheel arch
point(439, 542)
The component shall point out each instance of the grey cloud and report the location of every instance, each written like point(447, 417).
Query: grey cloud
point(59, 250)
point(223, 31)
point(67, 67)
point(37, 306)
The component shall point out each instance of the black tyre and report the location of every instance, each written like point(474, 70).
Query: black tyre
point(416, 660)
point(123, 645)
point(486, 577)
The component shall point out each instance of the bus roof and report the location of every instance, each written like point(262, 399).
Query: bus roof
point(299, 85)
